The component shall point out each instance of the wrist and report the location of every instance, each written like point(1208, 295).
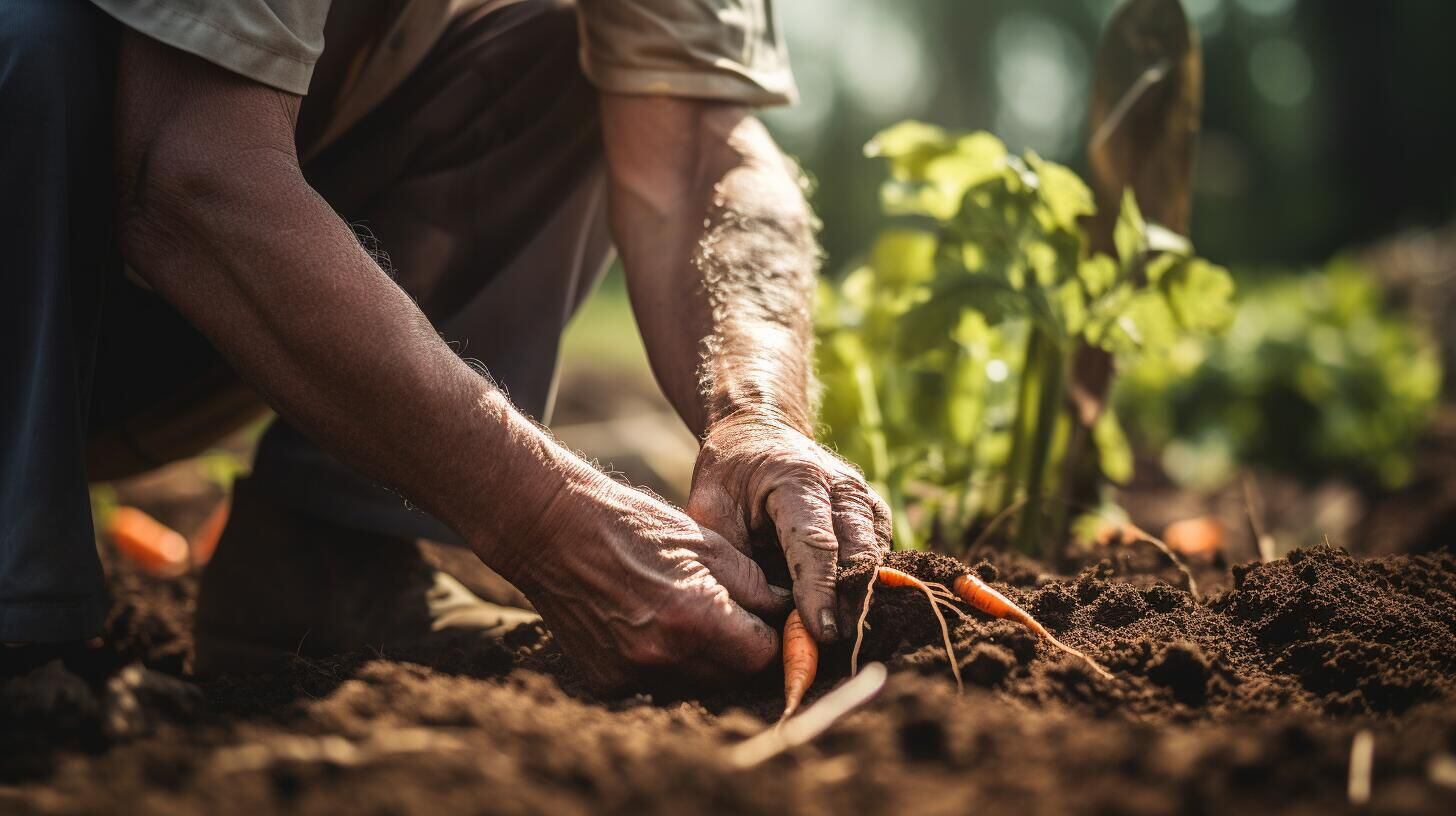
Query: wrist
point(769, 384)
point(537, 487)
point(759, 413)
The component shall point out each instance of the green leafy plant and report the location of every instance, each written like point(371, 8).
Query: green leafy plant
point(944, 358)
point(1315, 376)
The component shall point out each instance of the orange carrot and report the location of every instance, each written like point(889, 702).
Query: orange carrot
point(971, 589)
point(801, 663)
point(1200, 537)
point(154, 546)
point(204, 540)
point(891, 577)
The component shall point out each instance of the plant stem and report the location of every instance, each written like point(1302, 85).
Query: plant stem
point(1025, 396)
point(1050, 370)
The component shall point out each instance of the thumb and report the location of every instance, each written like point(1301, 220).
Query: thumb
point(744, 580)
point(714, 509)
point(735, 643)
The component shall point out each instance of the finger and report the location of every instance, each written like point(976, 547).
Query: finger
point(744, 580)
point(714, 509)
point(804, 522)
point(735, 643)
point(854, 521)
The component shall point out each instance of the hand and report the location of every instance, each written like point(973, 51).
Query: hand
point(757, 474)
point(632, 586)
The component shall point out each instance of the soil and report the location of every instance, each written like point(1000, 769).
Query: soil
point(1248, 699)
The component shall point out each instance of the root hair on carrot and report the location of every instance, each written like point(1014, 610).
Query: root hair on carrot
point(895, 578)
point(859, 629)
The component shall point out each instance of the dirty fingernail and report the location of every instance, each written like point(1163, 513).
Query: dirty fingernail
point(828, 625)
point(780, 593)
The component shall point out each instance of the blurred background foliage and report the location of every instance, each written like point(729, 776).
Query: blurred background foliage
point(1316, 377)
point(1326, 123)
point(1327, 130)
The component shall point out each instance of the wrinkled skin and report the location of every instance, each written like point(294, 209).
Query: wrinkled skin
point(218, 219)
point(640, 588)
point(645, 590)
point(756, 476)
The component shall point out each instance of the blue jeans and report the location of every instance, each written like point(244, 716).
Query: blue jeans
point(99, 377)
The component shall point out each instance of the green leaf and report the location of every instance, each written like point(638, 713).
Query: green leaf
point(933, 174)
point(908, 145)
point(1114, 453)
point(1097, 273)
point(1200, 294)
point(931, 323)
point(904, 257)
point(982, 149)
point(1130, 233)
point(1065, 195)
point(1146, 323)
point(1162, 239)
point(1071, 307)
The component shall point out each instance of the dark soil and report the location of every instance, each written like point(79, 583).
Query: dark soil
point(1248, 701)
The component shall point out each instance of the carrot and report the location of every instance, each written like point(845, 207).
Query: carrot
point(1200, 537)
point(205, 538)
point(979, 595)
point(801, 663)
point(155, 547)
point(891, 577)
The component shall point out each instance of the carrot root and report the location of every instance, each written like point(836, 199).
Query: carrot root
point(859, 628)
point(889, 576)
point(154, 546)
point(801, 663)
point(979, 595)
point(204, 540)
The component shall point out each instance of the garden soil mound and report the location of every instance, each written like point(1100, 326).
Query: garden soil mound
point(1248, 699)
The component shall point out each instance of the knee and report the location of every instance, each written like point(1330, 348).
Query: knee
point(55, 55)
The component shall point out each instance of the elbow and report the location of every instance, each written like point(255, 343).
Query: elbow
point(174, 200)
point(198, 155)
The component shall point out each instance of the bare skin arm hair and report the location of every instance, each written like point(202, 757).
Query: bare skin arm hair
point(750, 241)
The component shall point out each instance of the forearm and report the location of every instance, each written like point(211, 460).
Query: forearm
point(720, 256)
point(221, 223)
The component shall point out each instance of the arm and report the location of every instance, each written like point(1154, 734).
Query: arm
point(720, 256)
point(215, 214)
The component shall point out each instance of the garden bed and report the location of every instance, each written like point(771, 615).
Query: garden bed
point(1250, 699)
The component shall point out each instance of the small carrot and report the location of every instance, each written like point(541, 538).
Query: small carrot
point(801, 663)
point(971, 589)
point(204, 540)
point(154, 546)
point(891, 577)
point(1200, 537)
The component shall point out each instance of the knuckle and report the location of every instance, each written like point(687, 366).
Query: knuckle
point(813, 537)
point(855, 496)
point(646, 652)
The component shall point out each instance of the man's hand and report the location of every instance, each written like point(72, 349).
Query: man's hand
point(631, 586)
point(757, 475)
point(720, 256)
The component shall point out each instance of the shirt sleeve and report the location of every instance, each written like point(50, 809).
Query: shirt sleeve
point(730, 50)
point(275, 42)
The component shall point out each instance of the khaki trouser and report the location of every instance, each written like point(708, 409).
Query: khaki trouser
point(480, 179)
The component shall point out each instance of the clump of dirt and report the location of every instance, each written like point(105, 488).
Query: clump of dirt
point(1246, 700)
